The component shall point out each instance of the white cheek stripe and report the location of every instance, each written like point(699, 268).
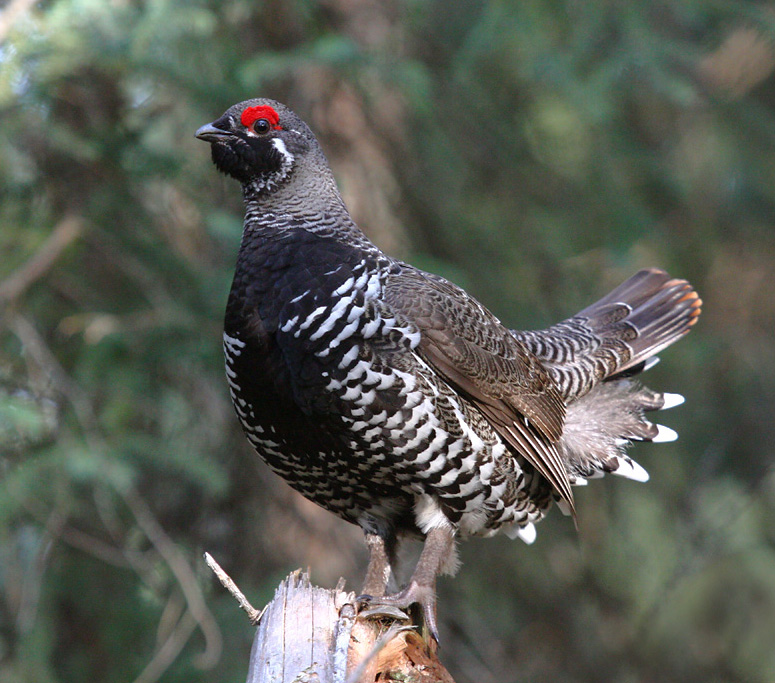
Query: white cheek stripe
point(279, 145)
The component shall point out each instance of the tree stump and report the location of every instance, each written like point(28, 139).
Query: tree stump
point(311, 635)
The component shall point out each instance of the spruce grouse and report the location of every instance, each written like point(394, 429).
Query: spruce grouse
point(393, 398)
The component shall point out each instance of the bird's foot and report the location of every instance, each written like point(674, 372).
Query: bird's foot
point(395, 606)
point(377, 611)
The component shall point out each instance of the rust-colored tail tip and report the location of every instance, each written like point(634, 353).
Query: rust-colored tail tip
point(690, 296)
point(696, 307)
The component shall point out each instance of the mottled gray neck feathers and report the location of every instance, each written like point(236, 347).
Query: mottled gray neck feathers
point(306, 199)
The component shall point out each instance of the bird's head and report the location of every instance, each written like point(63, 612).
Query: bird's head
point(259, 142)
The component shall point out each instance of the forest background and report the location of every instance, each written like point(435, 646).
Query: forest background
point(534, 152)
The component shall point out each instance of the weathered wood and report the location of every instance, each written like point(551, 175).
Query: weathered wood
point(311, 635)
point(297, 634)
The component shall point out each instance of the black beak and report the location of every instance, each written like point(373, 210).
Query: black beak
point(209, 133)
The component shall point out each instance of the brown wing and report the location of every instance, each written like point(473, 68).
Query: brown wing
point(469, 347)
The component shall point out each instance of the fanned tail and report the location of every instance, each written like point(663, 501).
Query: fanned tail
point(594, 355)
point(661, 311)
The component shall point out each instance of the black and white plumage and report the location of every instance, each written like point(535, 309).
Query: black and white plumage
point(394, 399)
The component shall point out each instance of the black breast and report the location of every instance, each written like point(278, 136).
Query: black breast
point(292, 327)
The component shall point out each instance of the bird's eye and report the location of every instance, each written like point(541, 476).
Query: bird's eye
point(262, 126)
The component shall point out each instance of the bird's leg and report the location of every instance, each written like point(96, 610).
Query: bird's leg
point(381, 556)
point(421, 589)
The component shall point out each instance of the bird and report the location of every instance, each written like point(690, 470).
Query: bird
point(396, 400)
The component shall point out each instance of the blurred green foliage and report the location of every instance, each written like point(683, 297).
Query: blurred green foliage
point(535, 152)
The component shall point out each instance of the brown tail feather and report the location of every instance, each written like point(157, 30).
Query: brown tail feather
point(615, 336)
point(591, 358)
point(643, 315)
point(662, 310)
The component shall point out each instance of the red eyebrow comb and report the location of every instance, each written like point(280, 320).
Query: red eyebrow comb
point(252, 114)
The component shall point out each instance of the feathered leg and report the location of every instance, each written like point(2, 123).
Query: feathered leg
point(381, 559)
point(421, 589)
